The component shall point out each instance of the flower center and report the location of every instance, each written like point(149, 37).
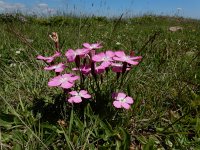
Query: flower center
point(122, 100)
point(126, 58)
point(63, 80)
point(79, 95)
point(55, 67)
point(106, 58)
point(92, 46)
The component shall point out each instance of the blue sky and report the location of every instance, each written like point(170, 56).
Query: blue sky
point(186, 8)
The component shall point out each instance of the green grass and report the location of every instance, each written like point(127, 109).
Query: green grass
point(165, 86)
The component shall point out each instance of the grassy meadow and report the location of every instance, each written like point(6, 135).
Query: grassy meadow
point(165, 85)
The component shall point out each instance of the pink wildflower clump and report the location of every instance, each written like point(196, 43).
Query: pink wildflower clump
point(77, 96)
point(92, 46)
point(122, 100)
point(122, 57)
point(50, 58)
point(72, 54)
point(106, 58)
point(58, 68)
point(65, 81)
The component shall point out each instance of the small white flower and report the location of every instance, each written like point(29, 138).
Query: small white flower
point(118, 43)
point(17, 52)
point(12, 64)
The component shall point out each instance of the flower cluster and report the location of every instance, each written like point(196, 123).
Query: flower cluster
point(89, 64)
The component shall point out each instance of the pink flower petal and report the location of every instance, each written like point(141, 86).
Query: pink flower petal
point(82, 92)
point(50, 59)
point(73, 78)
point(41, 57)
point(49, 68)
point(66, 75)
point(77, 99)
point(59, 69)
point(73, 93)
point(86, 96)
point(120, 53)
point(129, 100)
point(87, 45)
point(54, 81)
point(136, 58)
point(71, 55)
point(110, 53)
point(70, 100)
point(120, 96)
point(125, 105)
point(132, 62)
point(117, 104)
point(98, 58)
point(105, 64)
point(67, 85)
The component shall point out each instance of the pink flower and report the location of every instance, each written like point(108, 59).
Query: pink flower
point(106, 58)
point(92, 46)
point(122, 100)
point(117, 67)
point(121, 56)
point(71, 54)
point(65, 81)
point(77, 96)
point(49, 59)
point(58, 68)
